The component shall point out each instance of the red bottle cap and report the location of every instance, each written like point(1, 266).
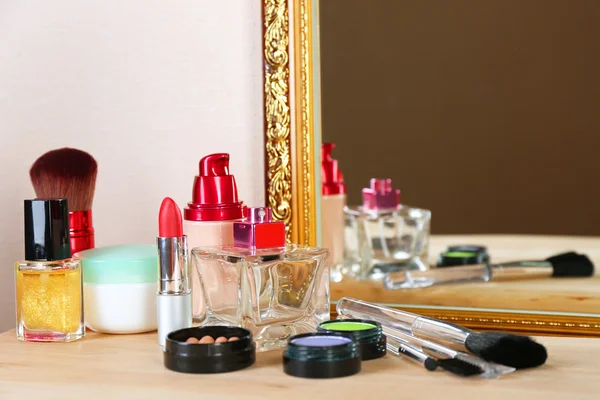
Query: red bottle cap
point(259, 231)
point(381, 195)
point(214, 196)
point(331, 177)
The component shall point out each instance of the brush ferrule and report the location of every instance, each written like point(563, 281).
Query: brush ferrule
point(444, 333)
point(173, 266)
point(81, 231)
point(81, 221)
point(522, 269)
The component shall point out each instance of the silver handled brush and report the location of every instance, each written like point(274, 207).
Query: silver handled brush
point(453, 361)
point(411, 353)
point(501, 348)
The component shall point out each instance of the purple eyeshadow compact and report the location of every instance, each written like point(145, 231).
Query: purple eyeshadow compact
point(321, 355)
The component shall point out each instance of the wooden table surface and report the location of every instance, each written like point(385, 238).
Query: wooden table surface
point(130, 367)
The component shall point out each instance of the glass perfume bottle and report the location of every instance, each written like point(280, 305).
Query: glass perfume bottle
point(260, 284)
point(384, 236)
point(48, 283)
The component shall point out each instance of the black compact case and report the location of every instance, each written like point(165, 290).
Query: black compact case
point(371, 342)
point(196, 358)
point(460, 255)
point(321, 362)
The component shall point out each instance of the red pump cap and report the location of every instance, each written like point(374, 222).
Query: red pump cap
point(331, 177)
point(214, 196)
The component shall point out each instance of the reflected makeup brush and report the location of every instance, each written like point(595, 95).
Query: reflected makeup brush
point(569, 264)
point(69, 173)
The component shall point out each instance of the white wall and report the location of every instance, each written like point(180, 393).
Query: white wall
point(147, 87)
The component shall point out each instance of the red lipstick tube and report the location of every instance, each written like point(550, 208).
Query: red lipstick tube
point(81, 231)
point(174, 297)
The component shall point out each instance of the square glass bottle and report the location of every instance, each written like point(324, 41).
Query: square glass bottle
point(384, 236)
point(48, 283)
point(260, 284)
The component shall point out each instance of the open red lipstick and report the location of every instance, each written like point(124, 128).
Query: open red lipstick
point(170, 223)
point(174, 297)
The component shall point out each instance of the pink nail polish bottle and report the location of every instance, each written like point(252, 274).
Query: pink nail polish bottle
point(209, 217)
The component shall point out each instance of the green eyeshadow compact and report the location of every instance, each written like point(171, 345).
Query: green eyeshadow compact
point(368, 334)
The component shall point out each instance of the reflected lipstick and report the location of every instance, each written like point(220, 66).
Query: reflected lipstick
point(174, 297)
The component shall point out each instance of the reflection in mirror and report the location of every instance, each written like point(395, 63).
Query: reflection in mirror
point(475, 122)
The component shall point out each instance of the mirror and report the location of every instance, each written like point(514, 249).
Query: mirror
point(486, 114)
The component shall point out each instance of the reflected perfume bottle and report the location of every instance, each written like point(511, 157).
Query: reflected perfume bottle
point(261, 284)
point(48, 283)
point(384, 236)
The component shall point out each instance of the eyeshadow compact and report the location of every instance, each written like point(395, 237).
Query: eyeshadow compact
point(368, 334)
point(463, 255)
point(209, 350)
point(322, 355)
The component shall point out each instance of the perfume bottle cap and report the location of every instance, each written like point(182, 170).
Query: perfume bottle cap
point(259, 231)
point(332, 178)
point(215, 196)
point(380, 195)
point(47, 230)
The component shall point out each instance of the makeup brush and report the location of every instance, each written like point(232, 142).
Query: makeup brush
point(411, 354)
point(502, 348)
point(568, 264)
point(453, 361)
point(69, 173)
point(454, 366)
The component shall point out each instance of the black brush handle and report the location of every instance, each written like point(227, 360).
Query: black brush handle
point(412, 353)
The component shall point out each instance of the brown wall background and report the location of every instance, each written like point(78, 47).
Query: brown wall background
point(486, 112)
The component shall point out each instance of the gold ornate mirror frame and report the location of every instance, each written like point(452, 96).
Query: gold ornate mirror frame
point(290, 124)
point(292, 140)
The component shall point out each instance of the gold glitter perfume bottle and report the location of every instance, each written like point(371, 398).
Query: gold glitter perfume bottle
point(48, 282)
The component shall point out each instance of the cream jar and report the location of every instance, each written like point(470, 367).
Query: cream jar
point(119, 288)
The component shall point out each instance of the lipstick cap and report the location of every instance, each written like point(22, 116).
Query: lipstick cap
point(332, 177)
point(47, 230)
point(215, 196)
point(380, 195)
point(259, 231)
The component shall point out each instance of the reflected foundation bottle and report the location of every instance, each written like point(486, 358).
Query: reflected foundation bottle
point(332, 210)
point(261, 284)
point(48, 283)
point(209, 217)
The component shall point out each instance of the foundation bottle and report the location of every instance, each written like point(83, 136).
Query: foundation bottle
point(333, 202)
point(48, 282)
point(272, 289)
point(209, 217)
point(383, 235)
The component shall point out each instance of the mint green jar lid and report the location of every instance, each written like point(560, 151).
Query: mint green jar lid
point(126, 263)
